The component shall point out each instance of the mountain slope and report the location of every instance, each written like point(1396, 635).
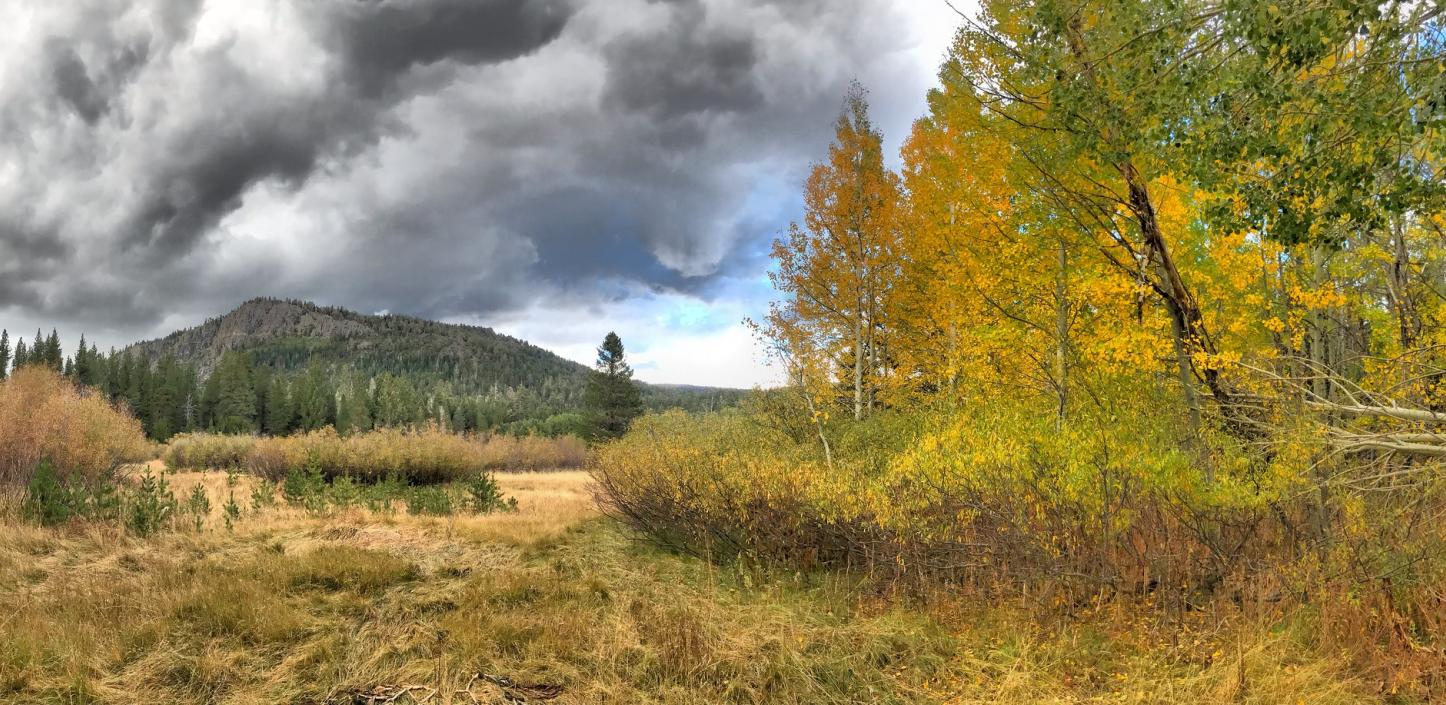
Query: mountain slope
point(288, 335)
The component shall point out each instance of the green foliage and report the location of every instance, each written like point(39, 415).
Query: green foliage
point(263, 494)
point(429, 500)
point(47, 500)
point(235, 400)
point(231, 511)
point(405, 372)
point(51, 500)
point(381, 496)
point(150, 506)
point(484, 496)
point(198, 505)
point(612, 397)
point(305, 486)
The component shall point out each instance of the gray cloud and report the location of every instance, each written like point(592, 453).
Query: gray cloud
point(435, 157)
point(377, 41)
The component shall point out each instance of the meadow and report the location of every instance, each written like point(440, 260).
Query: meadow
point(565, 606)
point(146, 583)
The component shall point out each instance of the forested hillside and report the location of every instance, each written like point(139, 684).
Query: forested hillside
point(286, 336)
point(276, 367)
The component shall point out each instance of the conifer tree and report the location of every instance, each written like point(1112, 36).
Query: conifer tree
point(313, 399)
point(53, 355)
point(278, 408)
point(612, 396)
point(80, 368)
point(235, 396)
point(22, 354)
point(4, 353)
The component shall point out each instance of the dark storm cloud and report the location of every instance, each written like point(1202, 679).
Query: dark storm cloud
point(434, 157)
point(377, 41)
point(687, 69)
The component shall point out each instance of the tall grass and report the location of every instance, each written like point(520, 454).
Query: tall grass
point(296, 608)
point(45, 416)
point(423, 456)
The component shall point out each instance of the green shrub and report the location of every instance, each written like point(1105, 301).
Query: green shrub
point(305, 487)
point(150, 505)
point(263, 494)
point(343, 492)
point(231, 511)
point(47, 500)
point(429, 500)
point(485, 497)
point(198, 505)
point(50, 500)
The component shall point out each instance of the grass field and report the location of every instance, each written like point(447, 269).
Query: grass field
point(556, 604)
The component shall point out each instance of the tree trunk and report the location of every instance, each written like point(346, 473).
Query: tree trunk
point(1061, 333)
point(1190, 334)
point(859, 360)
point(1400, 285)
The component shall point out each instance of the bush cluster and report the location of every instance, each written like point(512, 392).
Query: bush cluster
point(1001, 500)
point(145, 506)
point(424, 455)
point(307, 488)
point(207, 451)
point(44, 416)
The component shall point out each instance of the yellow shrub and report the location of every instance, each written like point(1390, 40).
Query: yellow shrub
point(422, 455)
point(207, 451)
point(44, 415)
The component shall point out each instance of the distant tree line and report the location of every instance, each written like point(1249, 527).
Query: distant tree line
point(242, 395)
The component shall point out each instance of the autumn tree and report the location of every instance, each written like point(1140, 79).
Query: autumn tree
point(837, 268)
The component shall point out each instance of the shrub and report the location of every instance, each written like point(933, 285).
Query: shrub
point(45, 416)
point(231, 511)
point(429, 500)
point(198, 505)
point(150, 505)
point(1001, 496)
point(485, 497)
point(50, 500)
point(427, 455)
point(47, 501)
point(207, 451)
point(305, 487)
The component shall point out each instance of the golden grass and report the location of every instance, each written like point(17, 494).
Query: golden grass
point(291, 607)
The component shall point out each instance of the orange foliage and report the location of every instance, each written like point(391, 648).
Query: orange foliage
point(43, 415)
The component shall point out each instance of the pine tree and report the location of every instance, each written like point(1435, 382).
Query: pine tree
point(98, 370)
point(313, 399)
point(81, 369)
point(53, 355)
point(235, 396)
point(4, 353)
point(612, 396)
point(278, 408)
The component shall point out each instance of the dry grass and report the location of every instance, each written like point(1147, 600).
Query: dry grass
point(290, 607)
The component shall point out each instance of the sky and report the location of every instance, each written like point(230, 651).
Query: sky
point(553, 169)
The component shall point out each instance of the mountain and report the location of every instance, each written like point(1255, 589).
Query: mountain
point(287, 336)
